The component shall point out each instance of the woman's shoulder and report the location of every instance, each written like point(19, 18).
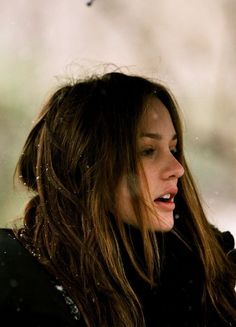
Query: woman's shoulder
point(14, 258)
point(28, 293)
point(9, 244)
point(227, 242)
point(225, 238)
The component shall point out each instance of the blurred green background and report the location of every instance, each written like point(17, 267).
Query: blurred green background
point(189, 45)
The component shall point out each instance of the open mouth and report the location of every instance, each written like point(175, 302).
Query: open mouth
point(166, 198)
point(165, 202)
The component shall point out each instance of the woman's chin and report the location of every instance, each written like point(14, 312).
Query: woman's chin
point(165, 223)
point(162, 223)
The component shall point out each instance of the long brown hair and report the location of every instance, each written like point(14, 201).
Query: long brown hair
point(84, 141)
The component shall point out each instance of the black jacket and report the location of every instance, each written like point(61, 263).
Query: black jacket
point(177, 300)
point(28, 294)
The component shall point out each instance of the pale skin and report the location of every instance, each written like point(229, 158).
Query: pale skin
point(161, 170)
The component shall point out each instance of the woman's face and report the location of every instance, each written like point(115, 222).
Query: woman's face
point(157, 145)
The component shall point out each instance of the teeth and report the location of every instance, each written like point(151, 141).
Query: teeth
point(166, 196)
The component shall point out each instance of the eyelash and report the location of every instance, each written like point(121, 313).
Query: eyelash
point(174, 152)
point(149, 152)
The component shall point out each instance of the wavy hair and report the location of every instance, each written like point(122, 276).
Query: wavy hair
point(83, 142)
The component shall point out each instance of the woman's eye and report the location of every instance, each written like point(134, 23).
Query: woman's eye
point(147, 152)
point(174, 151)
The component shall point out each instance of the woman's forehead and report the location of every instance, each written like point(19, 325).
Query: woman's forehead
point(155, 116)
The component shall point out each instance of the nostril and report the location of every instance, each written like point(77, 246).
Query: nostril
point(179, 169)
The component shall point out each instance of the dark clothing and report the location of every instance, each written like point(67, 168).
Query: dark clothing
point(176, 301)
point(28, 294)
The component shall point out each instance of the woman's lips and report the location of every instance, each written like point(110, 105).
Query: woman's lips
point(168, 205)
point(166, 201)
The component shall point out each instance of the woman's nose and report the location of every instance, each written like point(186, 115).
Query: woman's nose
point(173, 168)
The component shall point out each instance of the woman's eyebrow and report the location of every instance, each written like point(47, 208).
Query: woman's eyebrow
point(157, 136)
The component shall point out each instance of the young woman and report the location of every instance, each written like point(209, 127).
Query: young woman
point(114, 234)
